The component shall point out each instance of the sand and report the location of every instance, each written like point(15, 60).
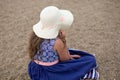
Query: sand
point(96, 29)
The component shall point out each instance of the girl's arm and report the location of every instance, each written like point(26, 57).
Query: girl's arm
point(62, 50)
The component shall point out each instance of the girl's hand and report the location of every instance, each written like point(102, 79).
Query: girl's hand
point(62, 34)
point(75, 56)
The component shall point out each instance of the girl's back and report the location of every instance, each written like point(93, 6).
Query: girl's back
point(46, 52)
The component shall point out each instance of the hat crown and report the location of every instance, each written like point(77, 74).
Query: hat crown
point(67, 19)
point(50, 15)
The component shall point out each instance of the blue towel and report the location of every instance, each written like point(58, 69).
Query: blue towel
point(67, 70)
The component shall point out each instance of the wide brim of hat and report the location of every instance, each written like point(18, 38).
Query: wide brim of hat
point(50, 33)
point(46, 33)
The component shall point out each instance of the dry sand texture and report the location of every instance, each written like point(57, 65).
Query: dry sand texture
point(96, 29)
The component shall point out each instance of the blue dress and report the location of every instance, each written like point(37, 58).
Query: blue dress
point(66, 70)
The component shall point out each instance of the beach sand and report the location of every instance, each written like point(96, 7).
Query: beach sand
point(96, 29)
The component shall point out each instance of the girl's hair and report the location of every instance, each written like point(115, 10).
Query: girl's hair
point(34, 43)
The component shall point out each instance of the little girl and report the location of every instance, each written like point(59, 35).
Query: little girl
point(50, 57)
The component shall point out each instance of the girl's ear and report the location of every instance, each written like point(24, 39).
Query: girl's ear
point(60, 33)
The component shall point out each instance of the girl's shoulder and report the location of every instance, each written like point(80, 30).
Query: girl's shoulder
point(59, 44)
point(59, 41)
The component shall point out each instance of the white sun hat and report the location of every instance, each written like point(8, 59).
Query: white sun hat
point(51, 21)
point(66, 19)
